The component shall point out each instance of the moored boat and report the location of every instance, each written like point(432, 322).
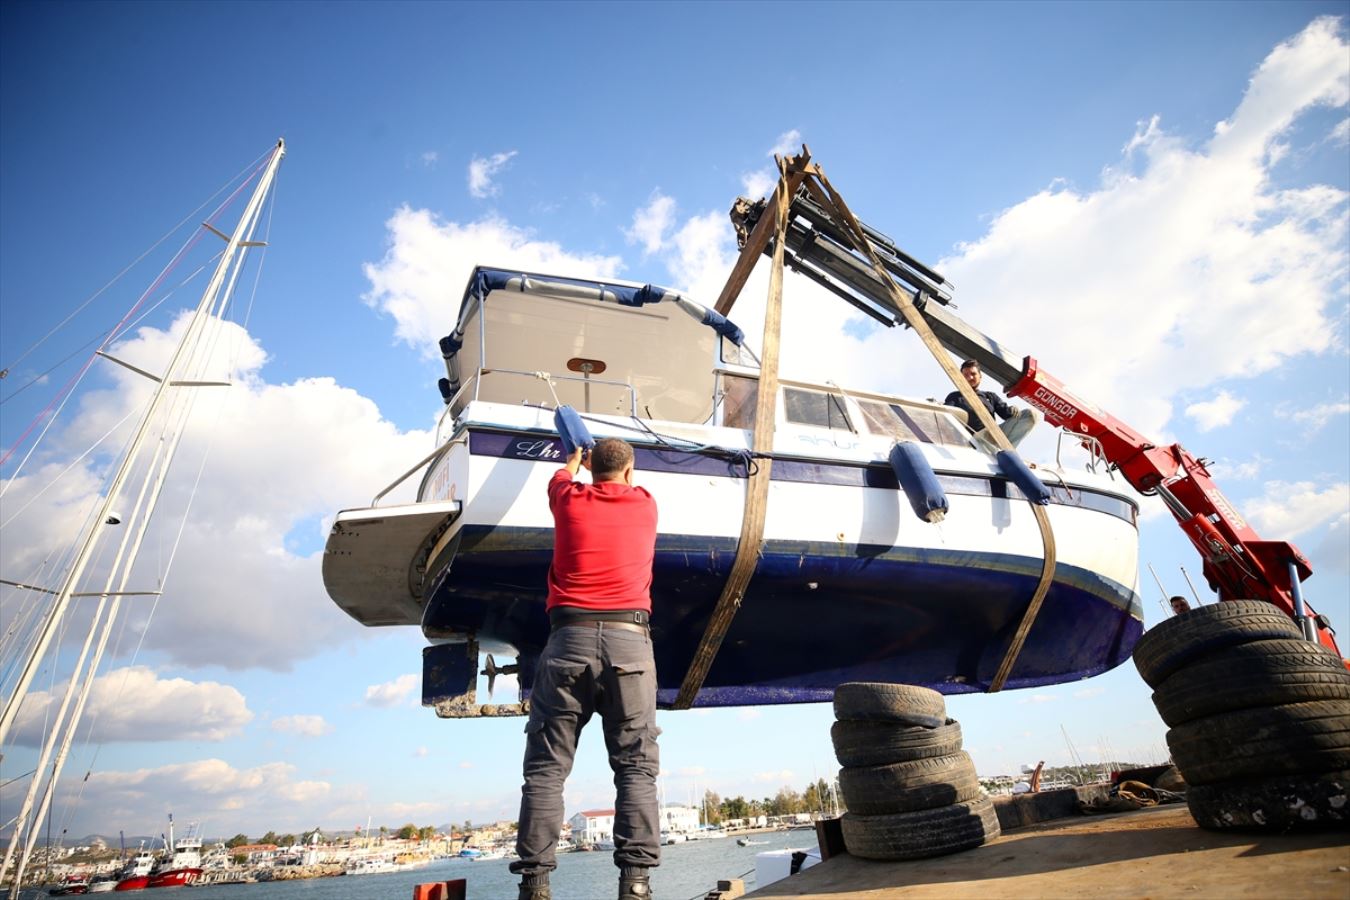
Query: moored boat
point(135, 875)
point(851, 583)
point(181, 863)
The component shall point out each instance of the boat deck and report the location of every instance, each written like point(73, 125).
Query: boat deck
point(1158, 852)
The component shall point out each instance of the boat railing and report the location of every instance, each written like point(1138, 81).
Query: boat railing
point(470, 389)
point(425, 461)
point(1091, 444)
point(585, 380)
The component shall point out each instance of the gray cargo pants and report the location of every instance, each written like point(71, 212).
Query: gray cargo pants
point(585, 669)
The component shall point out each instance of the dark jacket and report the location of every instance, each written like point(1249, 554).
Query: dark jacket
point(992, 402)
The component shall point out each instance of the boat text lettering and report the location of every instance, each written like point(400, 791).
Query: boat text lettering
point(536, 450)
point(1053, 405)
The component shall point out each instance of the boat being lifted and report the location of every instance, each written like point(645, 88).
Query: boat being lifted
point(856, 579)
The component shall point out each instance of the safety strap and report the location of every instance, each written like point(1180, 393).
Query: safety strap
point(905, 306)
point(791, 173)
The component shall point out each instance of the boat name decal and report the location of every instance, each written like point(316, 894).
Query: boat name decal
point(536, 450)
point(815, 441)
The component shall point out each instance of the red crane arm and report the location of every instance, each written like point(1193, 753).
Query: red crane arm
point(1237, 562)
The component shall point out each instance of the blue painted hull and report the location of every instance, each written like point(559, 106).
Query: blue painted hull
point(814, 616)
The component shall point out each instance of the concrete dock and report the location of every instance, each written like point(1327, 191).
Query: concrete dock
point(1156, 853)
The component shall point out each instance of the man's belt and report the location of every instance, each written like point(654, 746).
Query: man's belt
point(627, 619)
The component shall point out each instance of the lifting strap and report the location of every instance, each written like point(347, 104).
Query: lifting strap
point(791, 173)
point(903, 303)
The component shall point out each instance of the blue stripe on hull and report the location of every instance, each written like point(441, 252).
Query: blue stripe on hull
point(538, 447)
point(814, 616)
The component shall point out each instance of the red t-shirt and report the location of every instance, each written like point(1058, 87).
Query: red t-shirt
point(604, 541)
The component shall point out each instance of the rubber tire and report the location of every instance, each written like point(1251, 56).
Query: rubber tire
point(879, 743)
point(1280, 804)
point(917, 835)
point(1192, 694)
point(1298, 738)
point(883, 702)
point(1168, 646)
point(909, 786)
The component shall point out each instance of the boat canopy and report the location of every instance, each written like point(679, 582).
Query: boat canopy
point(601, 346)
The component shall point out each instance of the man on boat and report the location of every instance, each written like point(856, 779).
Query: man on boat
point(1179, 605)
point(598, 659)
point(1017, 424)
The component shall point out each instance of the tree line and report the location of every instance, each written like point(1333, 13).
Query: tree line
point(816, 797)
point(408, 832)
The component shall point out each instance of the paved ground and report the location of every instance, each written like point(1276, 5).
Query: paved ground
point(1154, 853)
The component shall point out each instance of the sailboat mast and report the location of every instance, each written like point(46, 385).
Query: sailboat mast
point(160, 396)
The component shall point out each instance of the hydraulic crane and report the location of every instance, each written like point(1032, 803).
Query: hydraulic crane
point(1238, 563)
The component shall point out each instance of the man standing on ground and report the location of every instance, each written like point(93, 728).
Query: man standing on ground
point(598, 659)
point(1017, 424)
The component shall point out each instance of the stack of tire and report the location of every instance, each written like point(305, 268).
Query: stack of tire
point(910, 790)
point(1259, 717)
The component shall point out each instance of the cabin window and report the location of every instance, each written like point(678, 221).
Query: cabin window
point(815, 408)
point(739, 396)
point(909, 423)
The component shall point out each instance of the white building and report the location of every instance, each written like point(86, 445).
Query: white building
point(679, 819)
point(592, 826)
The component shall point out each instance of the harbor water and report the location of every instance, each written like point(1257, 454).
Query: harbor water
point(687, 872)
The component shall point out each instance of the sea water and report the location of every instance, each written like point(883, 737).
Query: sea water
point(687, 872)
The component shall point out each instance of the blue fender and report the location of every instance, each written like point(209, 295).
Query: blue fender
point(1012, 465)
point(919, 482)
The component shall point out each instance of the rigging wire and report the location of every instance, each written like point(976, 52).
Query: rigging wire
point(41, 375)
point(4, 372)
point(173, 263)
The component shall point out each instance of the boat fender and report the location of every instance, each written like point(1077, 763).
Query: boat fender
point(919, 482)
point(1013, 466)
point(572, 430)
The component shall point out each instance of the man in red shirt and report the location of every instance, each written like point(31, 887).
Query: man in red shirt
point(598, 659)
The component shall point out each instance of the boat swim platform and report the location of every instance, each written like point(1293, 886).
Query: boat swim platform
point(1157, 852)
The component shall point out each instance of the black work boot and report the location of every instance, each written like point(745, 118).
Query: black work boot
point(535, 887)
point(634, 883)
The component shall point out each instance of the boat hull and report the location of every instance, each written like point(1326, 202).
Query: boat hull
point(134, 883)
point(175, 878)
point(814, 616)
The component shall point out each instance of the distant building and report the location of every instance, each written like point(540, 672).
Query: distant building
point(680, 819)
point(592, 826)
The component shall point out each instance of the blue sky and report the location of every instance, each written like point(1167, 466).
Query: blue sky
point(1156, 213)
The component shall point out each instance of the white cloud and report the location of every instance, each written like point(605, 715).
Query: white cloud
point(789, 143)
point(135, 704)
point(760, 182)
point(1037, 698)
point(428, 257)
point(1316, 417)
point(1287, 509)
point(268, 796)
point(1232, 470)
point(302, 725)
point(430, 158)
point(782, 776)
point(248, 617)
point(651, 222)
point(1211, 414)
point(483, 169)
point(1088, 693)
point(392, 693)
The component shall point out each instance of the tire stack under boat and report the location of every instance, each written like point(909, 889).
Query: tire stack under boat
point(911, 791)
point(1259, 717)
